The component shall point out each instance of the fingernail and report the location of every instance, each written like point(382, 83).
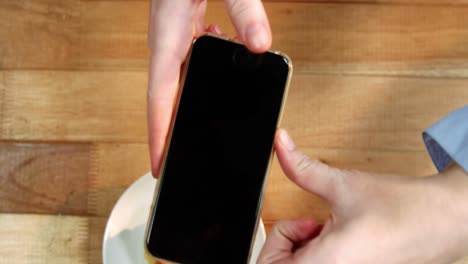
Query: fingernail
point(257, 36)
point(286, 140)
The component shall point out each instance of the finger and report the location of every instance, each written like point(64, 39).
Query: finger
point(199, 16)
point(171, 30)
point(284, 239)
point(251, 22)
point(214, 29)
point(311, 175)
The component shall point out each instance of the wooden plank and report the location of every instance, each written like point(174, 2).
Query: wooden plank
point(322, 111)
point(35, 239)
point(372, 39)
point(88, 180)
point(39, 34)
point(114, 36)
point(96, 228)
point(368, 112)
point(97, 106)
point(43, 239)
point(320, 38)
point(117, 166)
point(327, 38)
point(63, 178)
point(44, 178)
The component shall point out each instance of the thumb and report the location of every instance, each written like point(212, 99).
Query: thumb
point(285, 238)
point(309, 174)
point(251, 22)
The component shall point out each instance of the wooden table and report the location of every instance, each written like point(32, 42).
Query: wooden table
point(369, 77)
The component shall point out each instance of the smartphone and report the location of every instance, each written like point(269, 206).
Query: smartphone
point(209, 194)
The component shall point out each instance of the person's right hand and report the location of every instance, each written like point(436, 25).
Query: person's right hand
point(374, 218)
point(173, 25)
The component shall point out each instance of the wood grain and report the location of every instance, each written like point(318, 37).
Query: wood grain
point(75, 106)
point(43, 178)
point(39, 34)
point(49, 239)
point(43, 239)
point(117, 166)
point(329, 38)
point(73, 179)
point(322, 111)
point(35, 239)
point(368, 112)
point(83, 179)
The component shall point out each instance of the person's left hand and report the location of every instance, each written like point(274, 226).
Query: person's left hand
point(374, 218)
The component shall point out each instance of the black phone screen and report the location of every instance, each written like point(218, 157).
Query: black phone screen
point(218, 155)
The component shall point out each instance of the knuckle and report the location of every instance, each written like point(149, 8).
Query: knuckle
point(280, 229)
point(267, 258)
point(304, 164)
point(277, 227)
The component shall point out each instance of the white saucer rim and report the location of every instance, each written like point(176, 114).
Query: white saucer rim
point(260, 227)
point(122, 196)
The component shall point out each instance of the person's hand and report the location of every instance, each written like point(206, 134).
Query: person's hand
point(173, 25)
point(374, 218)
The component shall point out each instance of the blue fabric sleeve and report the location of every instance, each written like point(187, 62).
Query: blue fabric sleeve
point(447, 140)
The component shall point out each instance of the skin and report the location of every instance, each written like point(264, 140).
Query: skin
point(374, 218)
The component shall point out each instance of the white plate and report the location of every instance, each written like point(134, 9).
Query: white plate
point(124, 235)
